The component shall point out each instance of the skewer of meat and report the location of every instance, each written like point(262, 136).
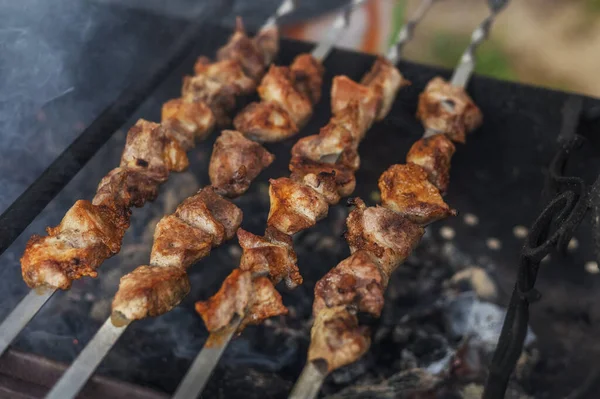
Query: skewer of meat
point(92, 231)
point(323, 168)
point(382, 237)
point(200, 222)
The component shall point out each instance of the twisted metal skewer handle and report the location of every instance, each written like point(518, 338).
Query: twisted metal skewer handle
point(465, 68)
point(285, 8)
point(407, 31)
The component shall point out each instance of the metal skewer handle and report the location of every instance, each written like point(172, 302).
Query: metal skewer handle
point(465, 68)
point(407, 31)
point(339, 25)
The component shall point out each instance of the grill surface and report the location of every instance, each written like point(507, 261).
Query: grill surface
point(497, 177)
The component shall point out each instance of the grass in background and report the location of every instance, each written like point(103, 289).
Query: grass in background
point(447, 48)
point(398, 15)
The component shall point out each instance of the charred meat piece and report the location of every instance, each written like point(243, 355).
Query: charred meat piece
point(278, 86)
point(229, 72)
point(265, 302)
point(211, 213)
point(336, 338)
point(187, 121)
point(246, 51)
point(387, 236)
point(345, 182)
point(85, 237)
point(406, 190)
point(387, 79)
point(220, 97)
point(123, 188)
point(150, 291)
point(355, 283)
point(345, 91)
point(177, 244)
point(265, 122)
point(149, 147)
point(433, 154)
point(323, 183)
point(307, 73)
point(294, 206)
point(334, 144)
point(235, 162)
point(448, 109)
point(272, 255)
point(232, 299)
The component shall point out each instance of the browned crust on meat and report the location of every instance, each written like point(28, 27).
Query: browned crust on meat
point(272, 255)
point(265, 122)
point(433, 154)
point(406, 190)
point(336, 338)
point(448, 109)
point(307, 74)
point(150, 291)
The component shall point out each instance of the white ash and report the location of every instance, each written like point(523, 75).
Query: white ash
point(467, 316)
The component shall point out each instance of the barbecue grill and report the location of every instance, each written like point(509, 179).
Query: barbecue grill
point(497, 179)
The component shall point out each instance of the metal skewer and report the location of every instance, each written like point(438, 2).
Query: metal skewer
point(205, 362)
point(83, 367)
point(21, 315)
point(466, 66)
point(313, 375)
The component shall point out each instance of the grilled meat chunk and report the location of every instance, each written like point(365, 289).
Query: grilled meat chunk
point(220, 97)
point(278, 86)
point(265, 122)
point(235, 162)
point(385, 235)
point(86, 236)
point(247, 52)
point(272, 255)
point(232, 299)
point(149, 147)
point(336, 338)
point(344, 92)
point(406, 190)
point(150, 291)
point(294, 206)
point(229, 72)
point(433, 154)
point(307, 74)
point(334, 144)
point(265, 302)
point(186, 122)
point(387, 79)
point(208, 211)
point(448, 109)
point(123, 188)
point(344, 179)
point(355, 282)
point(177, 244)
